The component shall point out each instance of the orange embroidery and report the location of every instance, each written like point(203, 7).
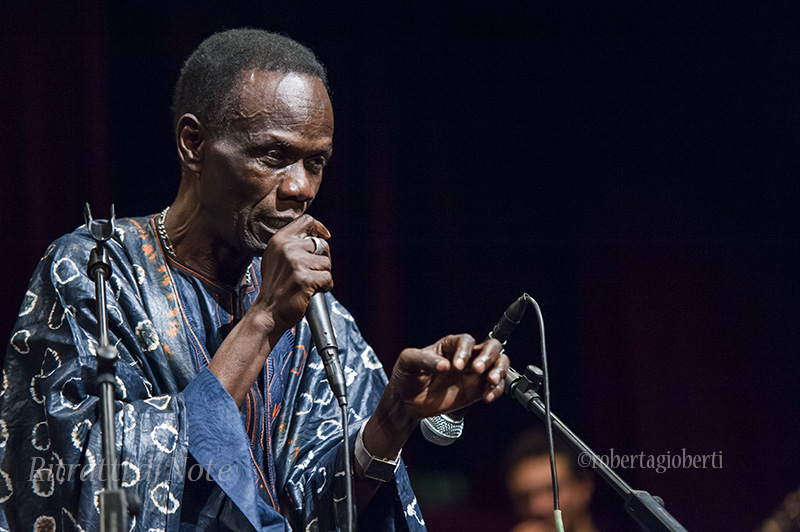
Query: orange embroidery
point(149, 251)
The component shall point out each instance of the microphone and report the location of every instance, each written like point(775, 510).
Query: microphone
point(444, 429)
point(319, 321)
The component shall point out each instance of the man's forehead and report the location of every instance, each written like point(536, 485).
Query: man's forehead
point(268, 93)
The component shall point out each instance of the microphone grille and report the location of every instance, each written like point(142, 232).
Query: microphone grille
point(441, 430)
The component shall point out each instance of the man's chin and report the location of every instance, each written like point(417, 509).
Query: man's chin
point(253, 246)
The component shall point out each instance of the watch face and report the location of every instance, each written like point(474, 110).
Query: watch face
point(380, 470)
point(374, 468)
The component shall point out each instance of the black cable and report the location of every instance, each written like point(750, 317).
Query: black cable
point(546, 384)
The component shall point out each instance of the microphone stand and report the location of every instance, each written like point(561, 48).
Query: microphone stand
point(319, 321)
point(113, 502)
point(648, 511)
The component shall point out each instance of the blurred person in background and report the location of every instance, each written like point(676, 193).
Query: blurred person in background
point(530, 487)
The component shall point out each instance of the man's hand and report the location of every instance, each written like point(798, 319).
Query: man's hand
point(291, 273)
point(448, 375)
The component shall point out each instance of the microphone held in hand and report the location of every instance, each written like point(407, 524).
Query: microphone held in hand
point(319, 320)
point(444, 429)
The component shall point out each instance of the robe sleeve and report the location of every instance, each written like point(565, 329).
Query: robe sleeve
point(310, 463)
point(51, 470)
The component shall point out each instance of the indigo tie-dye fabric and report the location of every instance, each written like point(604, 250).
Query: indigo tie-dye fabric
point(194, 459)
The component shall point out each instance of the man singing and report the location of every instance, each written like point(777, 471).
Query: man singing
point(225, 419)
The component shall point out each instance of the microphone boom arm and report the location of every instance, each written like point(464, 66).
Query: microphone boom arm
point(648, 511)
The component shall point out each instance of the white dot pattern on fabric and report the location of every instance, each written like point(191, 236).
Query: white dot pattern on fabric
point(148, 387)
point(130, 474)
point(116, 313)
point(59, 466)
point(123, 391)
point(49, 251)
point(325, 395)
point(40, 436)
point(328, 428)
point(44, 523)
point(370, 360)
point(411, 511)
point(338, 309)
point(164, 500)
point(116, 287)
point(147, 335)
point(141, 276)
point(66, 391)
point(28, 303)
point(65, 271)
point(350, 375)
point(50, 363)
point(44, 482)
point(6, 489)
point(72, 519)
point(306, 461)
point(3, 433)
point(161, 402)
point(20, 341)
point(126, 418)
point(91, 463)
point(79, 433)
point(165, 437)
point(34, 392)
point(97, 501)
point(304, 404)
point(56, 317)
point(92, 346)
point(323, 479)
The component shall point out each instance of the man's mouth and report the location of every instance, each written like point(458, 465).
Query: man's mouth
point(277, 223)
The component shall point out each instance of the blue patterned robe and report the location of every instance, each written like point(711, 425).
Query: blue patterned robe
point(173, 416)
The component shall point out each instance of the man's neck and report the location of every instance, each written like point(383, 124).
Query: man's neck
point(195, 249)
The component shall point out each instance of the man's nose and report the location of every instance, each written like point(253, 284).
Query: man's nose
point(297, 184)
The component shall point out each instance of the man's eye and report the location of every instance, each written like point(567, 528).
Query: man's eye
point(273, 155)
point(317, 164)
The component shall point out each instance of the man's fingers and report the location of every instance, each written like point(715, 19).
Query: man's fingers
point(307, 225)
point(318, 246)
point(494, 392)
point(495, 382)
point(458, 348)
point(427, 360)
point(487, 353)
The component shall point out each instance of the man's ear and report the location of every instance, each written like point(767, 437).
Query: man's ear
point(191, 137)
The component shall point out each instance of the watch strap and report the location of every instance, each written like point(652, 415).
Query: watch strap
point(381, 469)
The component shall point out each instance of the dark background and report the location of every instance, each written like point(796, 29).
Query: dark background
point(633, 168)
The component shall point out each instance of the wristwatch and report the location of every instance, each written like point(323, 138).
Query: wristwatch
point(381, 469)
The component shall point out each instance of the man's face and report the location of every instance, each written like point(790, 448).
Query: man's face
point(265, 170)
point(531, 491)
